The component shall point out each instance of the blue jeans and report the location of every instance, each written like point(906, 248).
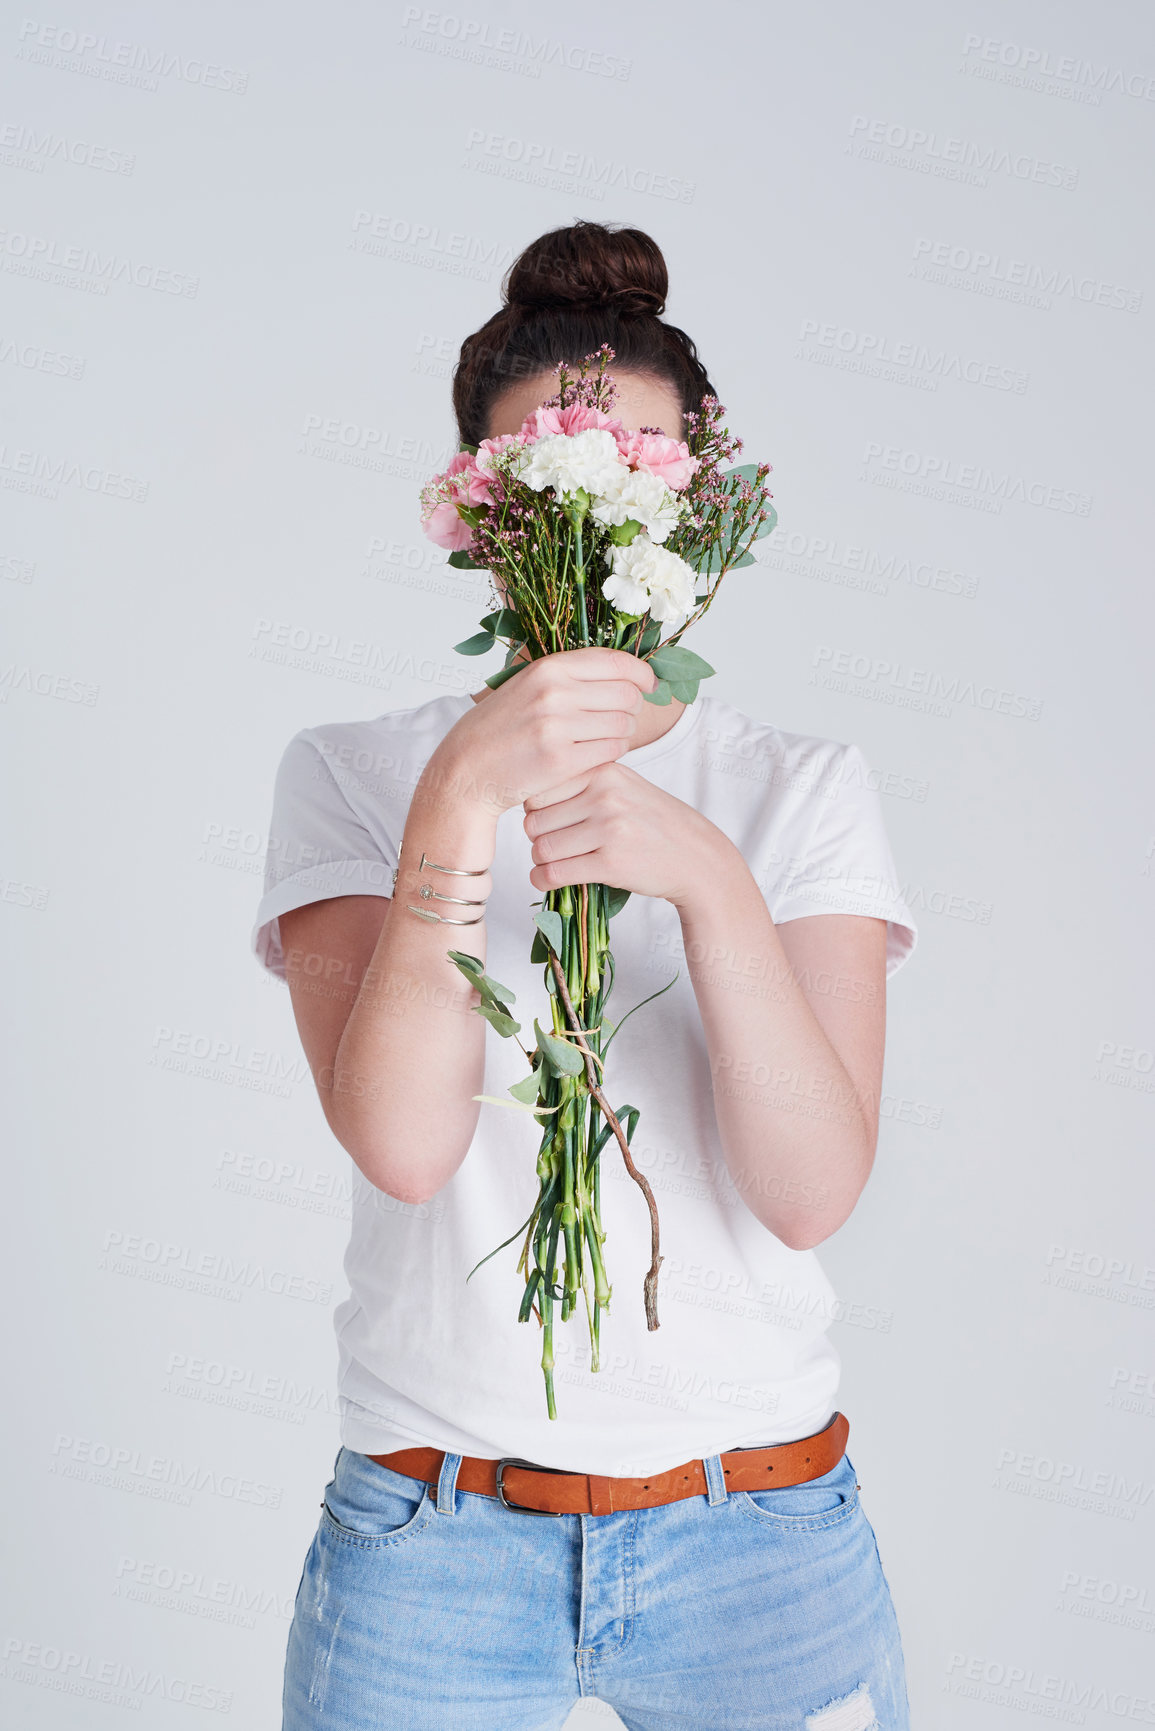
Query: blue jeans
point(426, 1608)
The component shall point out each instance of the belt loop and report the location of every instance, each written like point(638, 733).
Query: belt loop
point(447, 1485)
point(715, 1479)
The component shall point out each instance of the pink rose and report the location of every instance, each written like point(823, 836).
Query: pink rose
point(578, 418)
point(669, 459)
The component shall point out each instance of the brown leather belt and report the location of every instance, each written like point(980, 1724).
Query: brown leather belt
point(550, 1491)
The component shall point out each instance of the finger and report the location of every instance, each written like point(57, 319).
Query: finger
point(598, 661)
point(586, 868)
point(598, 694)
point(569, 841)
point(586, 724)
point(587, 755)
point(568, 806)
point(550, 796)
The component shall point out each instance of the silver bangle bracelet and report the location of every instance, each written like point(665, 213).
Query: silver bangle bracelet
point(444, 919)
point(428, 893)
point(453, 871)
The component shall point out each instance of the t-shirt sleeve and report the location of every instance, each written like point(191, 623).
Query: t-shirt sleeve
point(847, 866)
point(318, 848)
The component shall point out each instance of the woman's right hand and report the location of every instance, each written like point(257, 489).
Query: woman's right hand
point(559, 717)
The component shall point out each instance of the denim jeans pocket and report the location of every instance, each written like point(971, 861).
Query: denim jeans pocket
point(820, 1502)
point(369, 1506)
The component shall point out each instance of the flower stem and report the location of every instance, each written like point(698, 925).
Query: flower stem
point(580, 584)
point(650, 1284)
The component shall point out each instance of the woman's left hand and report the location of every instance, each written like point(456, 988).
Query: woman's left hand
point(614, 827)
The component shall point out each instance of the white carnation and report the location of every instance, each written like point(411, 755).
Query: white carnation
point(566, 461)
point(643, 497)
point(648, 578)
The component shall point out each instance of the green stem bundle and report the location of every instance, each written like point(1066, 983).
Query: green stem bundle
point(567, 1215)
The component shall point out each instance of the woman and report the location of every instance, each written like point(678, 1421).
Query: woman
point(685, 1541)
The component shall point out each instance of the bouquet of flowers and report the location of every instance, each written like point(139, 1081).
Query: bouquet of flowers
point(595, 534)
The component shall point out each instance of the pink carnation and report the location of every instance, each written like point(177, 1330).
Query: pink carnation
point(669, 459)
point(462, 483)
point(577, 418)
point(445, 528)
point(472, 486)
point(489, 483)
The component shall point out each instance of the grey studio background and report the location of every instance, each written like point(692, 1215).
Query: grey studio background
point(240, 248)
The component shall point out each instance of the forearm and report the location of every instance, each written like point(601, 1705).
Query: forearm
point(793, 1132)
point(413, 1052)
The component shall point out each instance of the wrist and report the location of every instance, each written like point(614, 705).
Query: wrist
point(454, 782)
point(716, 872)
point(453, 831)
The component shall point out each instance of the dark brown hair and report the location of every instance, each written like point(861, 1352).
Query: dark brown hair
point(565, 295)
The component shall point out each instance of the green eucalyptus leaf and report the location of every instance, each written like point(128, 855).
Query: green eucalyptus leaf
point(504, 673)
point(650, 636)
point(548, 923)
point(660, 693)
point(685, 690)
point(705, 564)
point(505, 623)
point(748, 471)
point(461, 561)
point(740, 472)
point(615, 901)
point(472, 964)
point(697, 557)
point(675, 662)
point(715, 561)
point(539, 951)
point(563, 1058)
point(528, 1089)
point(481, 644)
point(491, 988)
point(497, 1019)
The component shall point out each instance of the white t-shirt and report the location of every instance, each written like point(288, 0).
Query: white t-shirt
point(741, 1357)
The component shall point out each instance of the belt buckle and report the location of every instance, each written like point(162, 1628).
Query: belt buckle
point(524, 1508)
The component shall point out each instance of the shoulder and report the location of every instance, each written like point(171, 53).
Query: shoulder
point(371, 755)
point(377, 741)
point(778, 757)
point(810, 820)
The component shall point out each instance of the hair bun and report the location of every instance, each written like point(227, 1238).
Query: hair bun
point(590, 264)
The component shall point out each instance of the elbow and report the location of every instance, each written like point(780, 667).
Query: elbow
point(804, 1236)
point(402, 1181)
point(382, 1155)
point(409, 1194)
point(805, 1228)
point(411, 1189)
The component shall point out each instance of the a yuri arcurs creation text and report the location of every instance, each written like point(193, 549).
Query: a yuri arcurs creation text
point(593, 534)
